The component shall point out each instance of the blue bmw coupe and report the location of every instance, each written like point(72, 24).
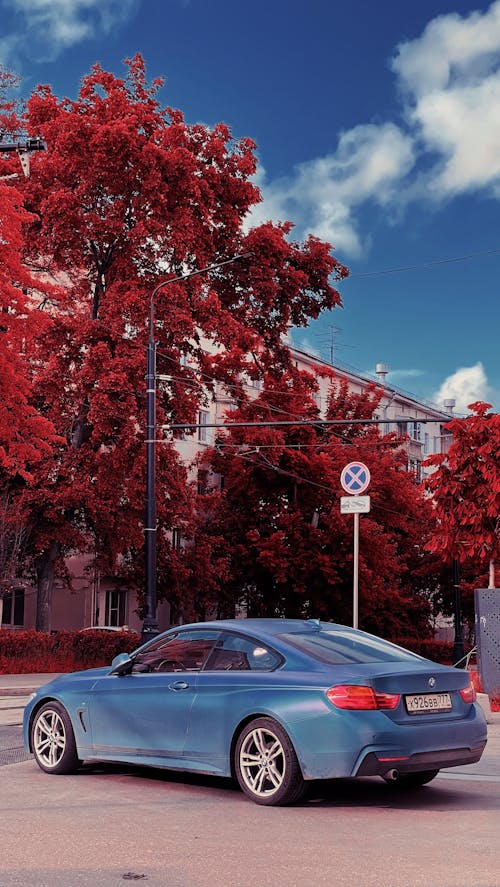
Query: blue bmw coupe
point(274, 702)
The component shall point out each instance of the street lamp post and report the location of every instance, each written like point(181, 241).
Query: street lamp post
point(150, 623)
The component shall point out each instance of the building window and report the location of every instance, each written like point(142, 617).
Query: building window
point(445, 442)
point(116, 607)
point(176, 539)
point(13, 609)
point(256, 384)
point(415, 430)
point(203, 417)
point(202, 482)
point(415, 466)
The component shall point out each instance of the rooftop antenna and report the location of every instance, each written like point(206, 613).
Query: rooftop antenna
point(333, 330)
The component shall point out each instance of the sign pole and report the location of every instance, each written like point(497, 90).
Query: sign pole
point(355, 585)
point(355, 479)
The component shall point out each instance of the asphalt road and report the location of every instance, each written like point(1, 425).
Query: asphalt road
point(11, 747)
point(107, 826)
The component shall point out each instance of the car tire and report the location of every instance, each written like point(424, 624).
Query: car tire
point(53, 740)
point(412, 780)
point(266, 765)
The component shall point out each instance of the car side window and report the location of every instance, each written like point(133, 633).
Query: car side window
point(236, 653)
point(178, 651)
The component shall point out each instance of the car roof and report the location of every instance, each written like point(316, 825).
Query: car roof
point(267, 626)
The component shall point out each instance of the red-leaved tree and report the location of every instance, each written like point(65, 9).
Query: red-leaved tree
point(127, 196)
point(27, 439)
point(465, 489)
point(277, 538)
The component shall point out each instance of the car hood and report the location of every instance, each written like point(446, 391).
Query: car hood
point(80, 679)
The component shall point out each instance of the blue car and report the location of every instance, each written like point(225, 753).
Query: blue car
point(273, 702)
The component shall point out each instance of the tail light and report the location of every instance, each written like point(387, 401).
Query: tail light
point(359, 698)
point(468, 693)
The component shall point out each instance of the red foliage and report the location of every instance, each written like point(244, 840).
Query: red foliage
point(438, 651)
point(31, 652)
point(26, 437)
point(466, 490)
point(476, 680)
point(276, 525)
point(126, 197)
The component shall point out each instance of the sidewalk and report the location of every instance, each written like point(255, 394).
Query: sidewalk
point(15, 690)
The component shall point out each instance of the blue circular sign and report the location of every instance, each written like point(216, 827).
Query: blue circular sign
point(355, 478)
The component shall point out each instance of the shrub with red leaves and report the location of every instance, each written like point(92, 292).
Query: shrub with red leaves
point(31, 652)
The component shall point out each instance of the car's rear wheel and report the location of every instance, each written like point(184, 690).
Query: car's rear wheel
point(53, 739)
point(266, 765)
point(412, 780)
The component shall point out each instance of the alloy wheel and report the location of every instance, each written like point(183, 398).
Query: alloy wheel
point(49, 738)
point(262, 762)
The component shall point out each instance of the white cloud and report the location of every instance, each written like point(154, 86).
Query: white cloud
point(394, 375)
point(48, 27)
point(465, 386)
point(369, 163)
point(9, 48)
point(451, 50)
point(450, 77)
point(449, 81)
point(304, 344)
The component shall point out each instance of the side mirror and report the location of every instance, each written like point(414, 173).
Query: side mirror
point(122, 664)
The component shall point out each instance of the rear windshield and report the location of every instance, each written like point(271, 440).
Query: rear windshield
point(337, 647)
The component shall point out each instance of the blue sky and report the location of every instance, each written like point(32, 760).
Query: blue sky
point(378, 128)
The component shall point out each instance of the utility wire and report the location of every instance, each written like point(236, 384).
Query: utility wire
point(266, 464)
point(423, 265)
point(295, 422)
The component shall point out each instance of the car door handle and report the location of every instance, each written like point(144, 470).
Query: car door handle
point(179, 685)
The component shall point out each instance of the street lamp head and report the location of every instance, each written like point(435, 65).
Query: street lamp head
point(31, 144)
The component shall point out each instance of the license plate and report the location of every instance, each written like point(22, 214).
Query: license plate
point(427, 703)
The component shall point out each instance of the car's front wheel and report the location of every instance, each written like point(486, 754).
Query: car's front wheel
point(413, 780)
point(266, 765)
point(53, 739)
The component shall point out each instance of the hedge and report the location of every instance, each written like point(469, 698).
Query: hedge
point(438, 651)
point(31, 652)
point(27, 652)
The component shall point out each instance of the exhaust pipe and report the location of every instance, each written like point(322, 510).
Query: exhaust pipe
point(391, 775)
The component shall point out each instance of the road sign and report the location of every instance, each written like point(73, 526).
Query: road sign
point(355, 478)
point(354, 504)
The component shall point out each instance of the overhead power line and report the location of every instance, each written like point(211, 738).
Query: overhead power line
point(297, 422)
point(423, 265)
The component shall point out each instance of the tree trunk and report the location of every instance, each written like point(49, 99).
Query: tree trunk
point(45, 585)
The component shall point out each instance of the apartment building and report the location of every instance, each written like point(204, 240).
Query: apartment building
point(402, 412)
point(93, 599)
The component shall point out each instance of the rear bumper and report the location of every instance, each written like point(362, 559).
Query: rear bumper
point(378, 764)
